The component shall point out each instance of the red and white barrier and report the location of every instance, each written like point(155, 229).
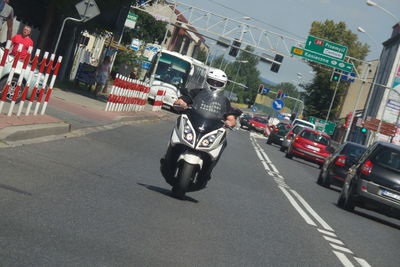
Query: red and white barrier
point(158, 100)
point(50, 89)
point(10, 77)
point(127, 95)
point(26, 75)
point(35, 88)
point(28, 82)
point(268, 130)
point(19, 83)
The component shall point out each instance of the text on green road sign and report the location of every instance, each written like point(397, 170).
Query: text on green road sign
point(322, 59)
point(325, 47)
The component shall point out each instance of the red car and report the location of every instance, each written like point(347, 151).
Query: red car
point(311, 145)
point(258, 124)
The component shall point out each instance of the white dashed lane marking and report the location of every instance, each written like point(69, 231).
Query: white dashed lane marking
point(309, 215)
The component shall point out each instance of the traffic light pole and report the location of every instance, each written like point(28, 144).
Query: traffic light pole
point(364, 78)
point(333, 97)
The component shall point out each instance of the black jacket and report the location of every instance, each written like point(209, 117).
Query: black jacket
point(217, 105)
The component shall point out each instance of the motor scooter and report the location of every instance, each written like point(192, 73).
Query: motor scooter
point(196, 144)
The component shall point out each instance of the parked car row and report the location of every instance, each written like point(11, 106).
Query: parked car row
point(369, 176)
point(256, 123)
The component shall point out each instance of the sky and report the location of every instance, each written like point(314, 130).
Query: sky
point(294, 18)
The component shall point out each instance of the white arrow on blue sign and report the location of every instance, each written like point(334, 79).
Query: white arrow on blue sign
point(265, 90)
point(278, 104)
point(284, 95)
point(254, 109)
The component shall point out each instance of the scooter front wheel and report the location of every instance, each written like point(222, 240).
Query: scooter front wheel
point(185, 176)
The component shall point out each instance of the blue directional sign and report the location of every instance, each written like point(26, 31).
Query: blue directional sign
point(348, 76)
point(278, 104)
point(284, 95)
point(254, 109)
point(280, 116)
point(265, 90)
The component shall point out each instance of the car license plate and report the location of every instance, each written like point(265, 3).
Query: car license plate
point(390, 194)
point(313, 148)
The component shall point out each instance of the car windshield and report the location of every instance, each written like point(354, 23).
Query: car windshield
point(172, 70)
point(308, 124)
point(315, 137)
point(261, 120)
point(353, 151)
point(297, 129)
point(388, 158)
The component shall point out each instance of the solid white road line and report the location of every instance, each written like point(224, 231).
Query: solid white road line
point(334, 240)
point(313, 213)
point(362, 262)
point(341, 248)
point(297, 207)
point(345, 261)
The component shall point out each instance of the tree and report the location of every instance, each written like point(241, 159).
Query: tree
point(320, 91)
point(201, 55)
point(246, 74)
point(147, 29)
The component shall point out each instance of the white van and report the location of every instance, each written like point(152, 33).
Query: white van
point(303, 122)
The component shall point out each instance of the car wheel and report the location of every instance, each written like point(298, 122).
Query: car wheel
point(269, 141)
point(325, 180)
point(349, 204)
point(288, 154)
point(319, 180)
point(11, 90)
point(282, 148)
point(340, 201)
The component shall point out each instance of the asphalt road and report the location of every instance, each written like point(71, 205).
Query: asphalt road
point(100, 200)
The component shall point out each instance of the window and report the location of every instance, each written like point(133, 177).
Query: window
point(315, 137)
point(388, 158)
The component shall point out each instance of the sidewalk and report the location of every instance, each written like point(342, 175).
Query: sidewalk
point(67, 111)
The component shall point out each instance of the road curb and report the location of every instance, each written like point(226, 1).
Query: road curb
point(23, 132)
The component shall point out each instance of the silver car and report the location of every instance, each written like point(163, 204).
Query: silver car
point(289, 137)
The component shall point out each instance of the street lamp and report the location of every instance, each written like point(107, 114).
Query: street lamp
point(360, 29)
point(372, 3)
point(237, 74)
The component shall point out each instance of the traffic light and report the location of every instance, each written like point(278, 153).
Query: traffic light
point(336, 75)
point(235, 48)
point(363, 130)
point(275, 67)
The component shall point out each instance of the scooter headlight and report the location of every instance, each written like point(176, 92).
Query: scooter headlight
point(187, 129)
point(188, 132)
point(209, 140)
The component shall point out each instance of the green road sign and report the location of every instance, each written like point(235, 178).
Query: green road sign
point(325, 47)
point(322, 59)
point(322, 125)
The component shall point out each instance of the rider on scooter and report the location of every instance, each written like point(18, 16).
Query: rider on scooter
point(213, 103)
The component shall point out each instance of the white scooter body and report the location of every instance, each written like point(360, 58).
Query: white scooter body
point(184, 133)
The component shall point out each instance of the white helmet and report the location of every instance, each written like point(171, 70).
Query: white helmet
point(216, 80)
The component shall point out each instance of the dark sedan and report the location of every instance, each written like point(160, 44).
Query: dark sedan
point(278, 133)
point(244, 121)
point(335, 168)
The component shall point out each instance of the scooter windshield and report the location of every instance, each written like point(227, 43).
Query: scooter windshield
point(208, 111)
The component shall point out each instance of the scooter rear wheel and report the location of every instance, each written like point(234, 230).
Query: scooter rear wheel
point(185, 176)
